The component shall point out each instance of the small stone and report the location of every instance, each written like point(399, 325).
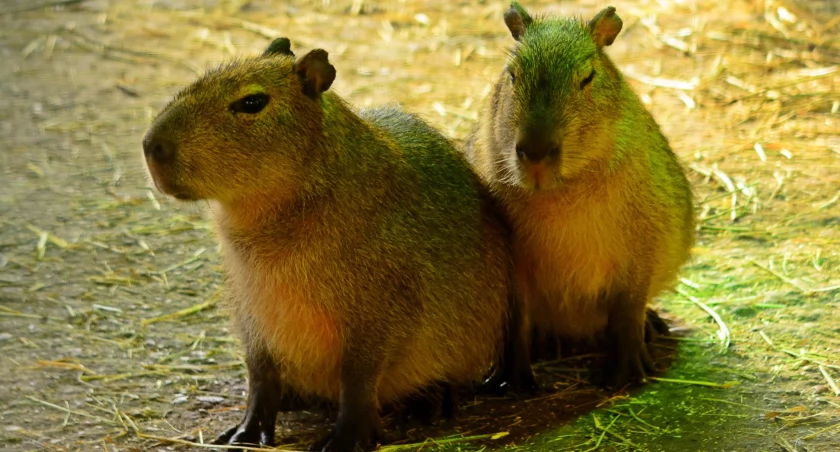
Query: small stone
point(211, 399)
point(819, 389)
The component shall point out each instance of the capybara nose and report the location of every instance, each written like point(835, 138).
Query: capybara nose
point(536, 150)
point(158, 149)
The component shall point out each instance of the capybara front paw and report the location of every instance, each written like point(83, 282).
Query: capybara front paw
point(247, 434)
point(628, 362)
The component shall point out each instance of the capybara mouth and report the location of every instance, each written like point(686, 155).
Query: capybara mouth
point(535, 177)
point(183, 196)
point(164, 183)
point(176, 192)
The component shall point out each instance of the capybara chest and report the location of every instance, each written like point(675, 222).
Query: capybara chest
point(277, 309)
point(568, 258)
point(570, 248)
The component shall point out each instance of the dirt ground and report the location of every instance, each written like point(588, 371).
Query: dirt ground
point(109, 291)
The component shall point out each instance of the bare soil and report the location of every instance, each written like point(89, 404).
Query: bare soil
point(109, 293)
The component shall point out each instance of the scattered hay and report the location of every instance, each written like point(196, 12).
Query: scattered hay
point(109, 309)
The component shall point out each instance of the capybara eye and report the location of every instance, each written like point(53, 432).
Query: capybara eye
point(587, 80)
point(251, 104)
point(512, 76)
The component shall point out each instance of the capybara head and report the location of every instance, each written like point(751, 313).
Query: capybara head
point(248, 128)
point(557, 96)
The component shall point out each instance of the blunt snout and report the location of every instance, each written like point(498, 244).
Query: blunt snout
point(158, 149)
point(535, 150)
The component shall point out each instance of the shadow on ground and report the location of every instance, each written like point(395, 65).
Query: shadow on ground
point(110, 318)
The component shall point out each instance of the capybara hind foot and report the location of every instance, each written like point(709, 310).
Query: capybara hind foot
point(500, 382)
point(425, 406)
point(512, 370)
point(655, 326)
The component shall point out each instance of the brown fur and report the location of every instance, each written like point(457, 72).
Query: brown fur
point(604, 226)
point(360, 249)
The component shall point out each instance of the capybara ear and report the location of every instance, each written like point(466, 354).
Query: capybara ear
point(604, 27)
point(316, 72)
point(517, 20)
point(280, 46)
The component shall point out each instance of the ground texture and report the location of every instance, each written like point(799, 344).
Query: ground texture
point(110, 328)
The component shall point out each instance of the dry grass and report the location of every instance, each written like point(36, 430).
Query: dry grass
point(108, 295)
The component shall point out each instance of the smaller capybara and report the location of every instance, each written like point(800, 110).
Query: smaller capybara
point(601, 210)
point(364, 259)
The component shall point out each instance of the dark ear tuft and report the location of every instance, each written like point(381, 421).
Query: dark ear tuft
point(280, 46)
point(316, 72)
point(517, 20)
point(604, 27)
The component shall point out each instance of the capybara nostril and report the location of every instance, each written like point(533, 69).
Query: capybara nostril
point(535, 150)
point(520, 152)
point(159, 149)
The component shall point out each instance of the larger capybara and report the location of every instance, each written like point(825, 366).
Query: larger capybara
point(364, 259)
